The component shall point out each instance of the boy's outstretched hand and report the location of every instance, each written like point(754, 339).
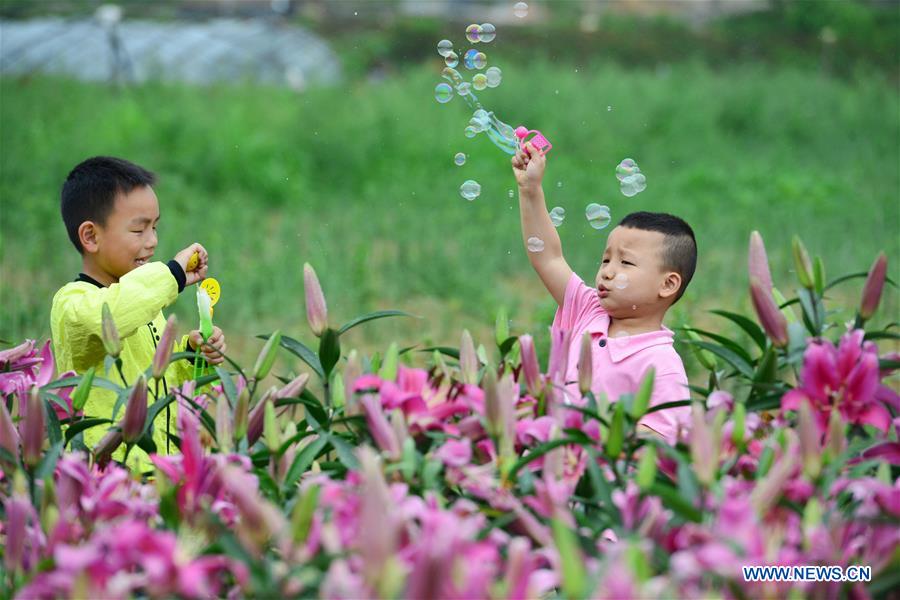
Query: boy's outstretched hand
point(198, 273)
point(528, 166)
point(214, 348)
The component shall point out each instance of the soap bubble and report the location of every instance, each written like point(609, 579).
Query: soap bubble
point(459, 159)
point(471, 132)
point(609, 109)
point(469, 58)
point(620, 281)
point(488, 32)
point(470, 189)
point(445, 47)
point(443, 93)
point(633, 185)
point(464, 88)
point(535, 244)
point(479, 61)
point(625, 168)
point(479, 81)
point(597, 215)
point(557, 215)
point(510, 193)
point(559, 184)
point(452, 59)
point(473, 33)
point(621, 334)
point(520, 10)
point(494, 76)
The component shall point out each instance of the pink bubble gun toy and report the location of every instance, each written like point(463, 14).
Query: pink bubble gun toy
point(538, 140)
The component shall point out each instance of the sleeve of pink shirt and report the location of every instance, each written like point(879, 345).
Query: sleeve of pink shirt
point(669, 387)
point(580, 305)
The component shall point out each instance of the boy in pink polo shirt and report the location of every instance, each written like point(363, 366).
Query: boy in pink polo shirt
point(647, 264)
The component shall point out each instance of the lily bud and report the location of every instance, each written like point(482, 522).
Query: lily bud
point(585, 365)
point(267, 356)
point(104, 449)
point(241, 415)
point(704, 454)
point(530, 368)
point(771, 319)
point(819, 275)
point(646, 473)
point(352, 372)
point(468, 360)
point(390, 364)
point(223, 426)
point(501, 326)
point(9, 437)
point(616, 436)
point(33, 432)
point(802, 264)
point(271, 431)
point(257, 417)
point(705, 357)
point(758, 262)
point(642, 398)
point(302, 514)
point(135, 412)
point(871, 295)
point(810, 446)
point(294, 387)
point(316, 310)
point(109, 334)
point(164, 349)
point(837, 435)
point(739, 417)
point(379, 427)
point(18, 509)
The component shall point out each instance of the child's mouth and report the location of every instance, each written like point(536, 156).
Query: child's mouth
point(142, 261)
point(602, 292)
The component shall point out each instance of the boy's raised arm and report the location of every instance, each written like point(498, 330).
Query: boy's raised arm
point(551, 266)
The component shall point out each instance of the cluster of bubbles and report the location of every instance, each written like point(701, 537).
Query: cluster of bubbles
point(485, 32)
point(597, 215)
point(520, 10)
point(473, 59)
point(631, 180)
point(459, 159)
point(470, 189)
point(535, 244)
point(557, 215)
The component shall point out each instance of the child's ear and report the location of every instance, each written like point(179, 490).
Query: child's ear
point(87, 235)
point(670, 285)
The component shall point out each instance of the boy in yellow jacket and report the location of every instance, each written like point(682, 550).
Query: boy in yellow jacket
point(111, 214)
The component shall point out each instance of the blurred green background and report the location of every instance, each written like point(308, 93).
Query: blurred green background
point(785, 120)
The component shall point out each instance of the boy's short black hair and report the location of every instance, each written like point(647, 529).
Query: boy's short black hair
point(680, 252)
point(89, 191)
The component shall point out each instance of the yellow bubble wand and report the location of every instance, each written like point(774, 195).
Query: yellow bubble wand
point(208, 293)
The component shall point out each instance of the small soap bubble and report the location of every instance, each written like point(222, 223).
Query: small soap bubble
point(520, 10)
point(559, 184)
point(473, 33)
point(597, 215)
point(609, 109)
point(443, 93)
point(620, 281)
point(494, 76)
point(510, 193)
point(633, 185)
point(470, 189)
point(464, 88)
point(535, 244)
point(469, 58)
point(625, 168)
point(451, 59)
point(479, 81)
point(488, 32)
point(445, 47)
point(557, 215)
point(459, 159)
point(479, 61)
point(471, 132)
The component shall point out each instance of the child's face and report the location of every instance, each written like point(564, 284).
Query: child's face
point(631, 278)
point(128, 238)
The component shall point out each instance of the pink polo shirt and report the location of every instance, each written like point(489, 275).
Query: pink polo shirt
point(620, 363)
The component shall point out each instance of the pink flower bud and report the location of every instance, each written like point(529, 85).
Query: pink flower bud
point(758, 262)
point(530, 368)
point(771, 319)
point(9, 437)
point(135, 412)
point(585, 365)
point(316, 310)
point(164, 348)
point(106, 446)
point(468, 359)
point(294, 387)
point(803, 264)
point(379, 427)
point(33, 433)
point(871, 295)
point(108, 333)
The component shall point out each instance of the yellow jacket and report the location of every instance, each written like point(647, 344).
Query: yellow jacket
point(136, 304)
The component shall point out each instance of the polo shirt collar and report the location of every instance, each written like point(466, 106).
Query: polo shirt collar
point(621, 348)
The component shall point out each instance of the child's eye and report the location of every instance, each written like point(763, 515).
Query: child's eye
point(625, 262)
point(605, 260)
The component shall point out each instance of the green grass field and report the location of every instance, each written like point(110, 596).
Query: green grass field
point(359, 181)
